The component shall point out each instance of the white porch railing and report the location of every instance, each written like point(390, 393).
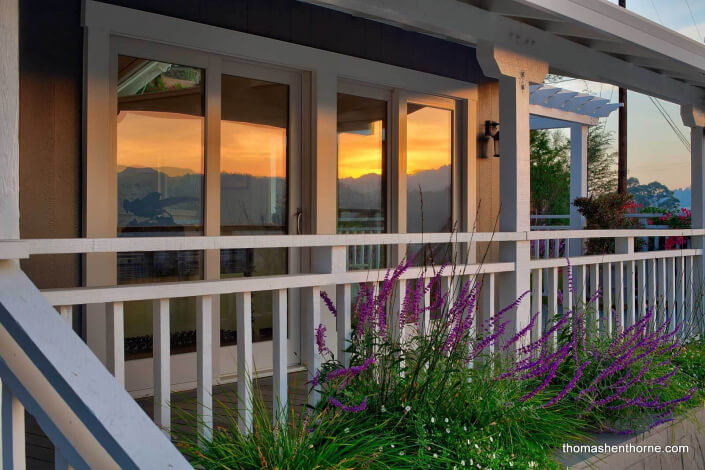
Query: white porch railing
point(48, 371)
point(629, 283)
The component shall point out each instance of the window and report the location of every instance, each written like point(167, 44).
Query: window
point(160, 155)
point(429, 156)
point(253, 189)
point(362, 195)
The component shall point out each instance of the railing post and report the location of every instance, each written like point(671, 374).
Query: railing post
point(694, 118)
point(626, 316)
point(311, 321)
point(343, 299)
point(13, 431)
point(515, 74)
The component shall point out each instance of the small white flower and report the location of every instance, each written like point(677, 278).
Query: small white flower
point(465, 428)
point(511, 464)
point(433, 420)
point(494, 456)
point(435, 456)
point(407, 408)
point(347, 430)
point(380, 449)
point(471, 462)
point(491, 440)
point(462, 462)
point(532, 464)
point(446, 420)
point(401, 452)
point(477, 447)
point(402, 374)
point(392, 446)
point(448, 430)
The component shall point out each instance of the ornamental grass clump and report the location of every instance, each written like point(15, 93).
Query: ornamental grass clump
point(515, 394)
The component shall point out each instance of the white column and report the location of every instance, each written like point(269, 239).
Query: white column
point(515, 74)
point(161, 364)
point(695, 119)
point(578, 181)
point(9, 120)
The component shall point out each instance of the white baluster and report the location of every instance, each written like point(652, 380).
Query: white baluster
point(537, 303)
point(245, 370)
point(652, 279)
point(343, 297)
point(312, 319)
point(115, 329)
point(580, 284)
point(13, 431)
point(567, 292)
point(619, 295)
point(630, 295)
point(593, 309)
point(688, 289)
point(487, 305)
point(162, 364)
point(66, 312)
point(641, 300)
point(204, 369)
point(552, 297)
point(607, 316)
point(680, 296)
point(661, 291)
point(281, 360)
point(425, 318)
point(671, 292)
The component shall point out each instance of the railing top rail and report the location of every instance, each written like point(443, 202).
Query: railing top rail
point(17, 249)
point(90, 417)
point(127, 293)
point(611, 258)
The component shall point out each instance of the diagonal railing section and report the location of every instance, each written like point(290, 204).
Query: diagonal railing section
point(47, 370)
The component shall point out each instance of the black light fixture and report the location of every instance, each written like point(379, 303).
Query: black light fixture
point(491, 139)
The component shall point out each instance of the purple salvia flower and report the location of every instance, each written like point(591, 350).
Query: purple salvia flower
point(321, 339)
point(329, 303)
point(349, 409)
point(571, 385)
point(520, 334)
point(549, 377)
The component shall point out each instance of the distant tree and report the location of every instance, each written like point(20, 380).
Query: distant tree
point(654, 194)
point(602, 173)
point(550, 176)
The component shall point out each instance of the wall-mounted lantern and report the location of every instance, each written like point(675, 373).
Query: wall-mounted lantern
point(491, 140)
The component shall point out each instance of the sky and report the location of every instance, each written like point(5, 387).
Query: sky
point(655, 152)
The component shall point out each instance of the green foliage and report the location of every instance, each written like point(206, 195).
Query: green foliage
point(654, 194)
point(605, 212)
point(550, 174)
point(602, 173)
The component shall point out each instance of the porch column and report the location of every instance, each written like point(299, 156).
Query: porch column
point(9, 121)
point(578, 181)
point(515, 73)
point(694, 118)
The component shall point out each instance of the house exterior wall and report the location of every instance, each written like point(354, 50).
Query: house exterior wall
point(487, 170)
point(51, 82)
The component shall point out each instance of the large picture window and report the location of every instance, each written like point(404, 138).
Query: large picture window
point(160, 162)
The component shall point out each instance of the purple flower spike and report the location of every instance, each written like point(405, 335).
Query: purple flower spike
point(321, 339)
point(329, 303)
point(349, 409)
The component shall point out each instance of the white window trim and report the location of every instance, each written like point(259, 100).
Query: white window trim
point(107, 25)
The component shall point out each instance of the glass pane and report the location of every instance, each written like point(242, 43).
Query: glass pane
point(429, 150)
point(160, 152)
point(362, 129)
point(253, 190)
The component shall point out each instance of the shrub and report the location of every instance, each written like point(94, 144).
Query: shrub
point(606, 212)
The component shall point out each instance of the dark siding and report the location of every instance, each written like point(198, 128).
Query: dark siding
point(323, 28)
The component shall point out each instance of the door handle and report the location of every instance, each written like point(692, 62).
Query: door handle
point(299, 215)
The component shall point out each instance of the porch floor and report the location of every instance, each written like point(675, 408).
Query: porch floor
point(40, 450)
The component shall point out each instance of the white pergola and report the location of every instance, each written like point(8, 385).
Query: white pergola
point(558, 108)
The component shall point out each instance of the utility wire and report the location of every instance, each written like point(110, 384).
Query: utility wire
point(695, 23)
point(671, 123)
point(658, 15)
